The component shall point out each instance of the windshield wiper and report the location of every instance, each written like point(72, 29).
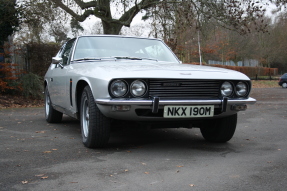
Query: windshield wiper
point(127, 57)
point(94, 58)
point(87, 58)
point(134, 58)
point(149, 59)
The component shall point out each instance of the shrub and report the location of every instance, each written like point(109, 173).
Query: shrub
point(9, 78)
point(31, 85)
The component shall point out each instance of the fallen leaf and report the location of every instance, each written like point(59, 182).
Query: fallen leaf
point(39, 175)
point(25, 182)
point(180, 166)
point(191, 185)
point(54, 149)
point(146, 172)
point(47, 151)
point(40, 132)
point(143, 163)
point(44, 177)
point(126, 170)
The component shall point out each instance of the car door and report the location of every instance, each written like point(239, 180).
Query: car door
point(59, 90)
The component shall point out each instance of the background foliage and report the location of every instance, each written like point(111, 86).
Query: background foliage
point(226, 31)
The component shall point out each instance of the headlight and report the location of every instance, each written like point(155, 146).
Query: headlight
point(241, 89)
point(226, 89)
point(119, 88)
point(138, 88)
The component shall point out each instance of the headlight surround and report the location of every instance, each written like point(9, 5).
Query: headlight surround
point(138, 88)
point(241, 89)
point(226, 89)
point(119, 88)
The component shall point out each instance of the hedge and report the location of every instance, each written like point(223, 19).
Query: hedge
point(251, 72)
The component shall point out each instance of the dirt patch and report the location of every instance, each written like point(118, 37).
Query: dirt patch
point(15, 101)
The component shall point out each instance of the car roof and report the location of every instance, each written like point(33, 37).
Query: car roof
point(121, 36)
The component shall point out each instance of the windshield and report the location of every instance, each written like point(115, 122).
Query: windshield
point(122, 48)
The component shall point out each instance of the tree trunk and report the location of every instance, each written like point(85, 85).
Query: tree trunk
point(111, 27)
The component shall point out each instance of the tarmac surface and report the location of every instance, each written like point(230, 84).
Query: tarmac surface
point(36, 155)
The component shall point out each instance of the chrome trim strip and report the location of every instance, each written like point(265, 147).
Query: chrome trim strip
point(170, 102)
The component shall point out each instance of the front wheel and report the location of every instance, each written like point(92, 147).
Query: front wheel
point(52, 115)
point(95, 126)
point(219, 130)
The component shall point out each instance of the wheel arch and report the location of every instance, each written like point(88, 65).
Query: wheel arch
point(45, 84)
point(78, 93)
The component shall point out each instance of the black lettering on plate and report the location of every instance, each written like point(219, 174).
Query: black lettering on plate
point(170, 111)
point(176, 111)
point(195, 111)
point(201, 111)
point(183, 111)
point(207, 110)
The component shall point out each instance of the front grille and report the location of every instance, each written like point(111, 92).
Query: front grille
point(173, 88)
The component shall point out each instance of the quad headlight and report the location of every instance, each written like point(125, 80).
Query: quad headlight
point(226, 89)
point(138, 88)
point(119, 88)
point(128, 88)
point(241, 89)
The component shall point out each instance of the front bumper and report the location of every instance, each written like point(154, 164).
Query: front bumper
point(153, 107)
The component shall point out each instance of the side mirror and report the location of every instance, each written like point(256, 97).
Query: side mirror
point(56, 60)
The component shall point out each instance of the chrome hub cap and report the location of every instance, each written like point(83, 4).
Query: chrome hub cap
point(85, 118)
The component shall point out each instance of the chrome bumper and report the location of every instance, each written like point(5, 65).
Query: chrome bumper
point(150, 102)
point(107, 106)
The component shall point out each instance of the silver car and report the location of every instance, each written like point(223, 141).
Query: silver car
point(106, 79)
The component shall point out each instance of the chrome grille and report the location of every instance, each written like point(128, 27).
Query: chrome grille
point(173, 88)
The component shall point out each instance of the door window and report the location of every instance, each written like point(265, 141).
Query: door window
point(67, 51)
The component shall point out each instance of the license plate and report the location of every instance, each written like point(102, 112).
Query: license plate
point(188, 111)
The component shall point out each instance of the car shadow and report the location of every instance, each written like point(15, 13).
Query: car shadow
point(134, 137)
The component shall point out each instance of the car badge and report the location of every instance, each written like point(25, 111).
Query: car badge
point(171, 84)
point(185, 73)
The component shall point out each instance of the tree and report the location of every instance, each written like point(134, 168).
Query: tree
point(41, 20)
point(102, 10)
point(9, 19)
point(236, 14)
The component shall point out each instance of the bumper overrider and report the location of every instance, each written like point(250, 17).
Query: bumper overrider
point(153, 109)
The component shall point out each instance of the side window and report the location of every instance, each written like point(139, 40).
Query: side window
point(67, 51)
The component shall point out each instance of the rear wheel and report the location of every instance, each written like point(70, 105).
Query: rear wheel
point(284, 85)
point(95, 126)
point(219, 130)
point(52, 115)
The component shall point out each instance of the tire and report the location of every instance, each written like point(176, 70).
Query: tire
point(52, 115)
point(95, 127)
point(219, 130)
point(284, 85)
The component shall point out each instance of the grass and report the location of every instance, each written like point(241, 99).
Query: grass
point(264, 83)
